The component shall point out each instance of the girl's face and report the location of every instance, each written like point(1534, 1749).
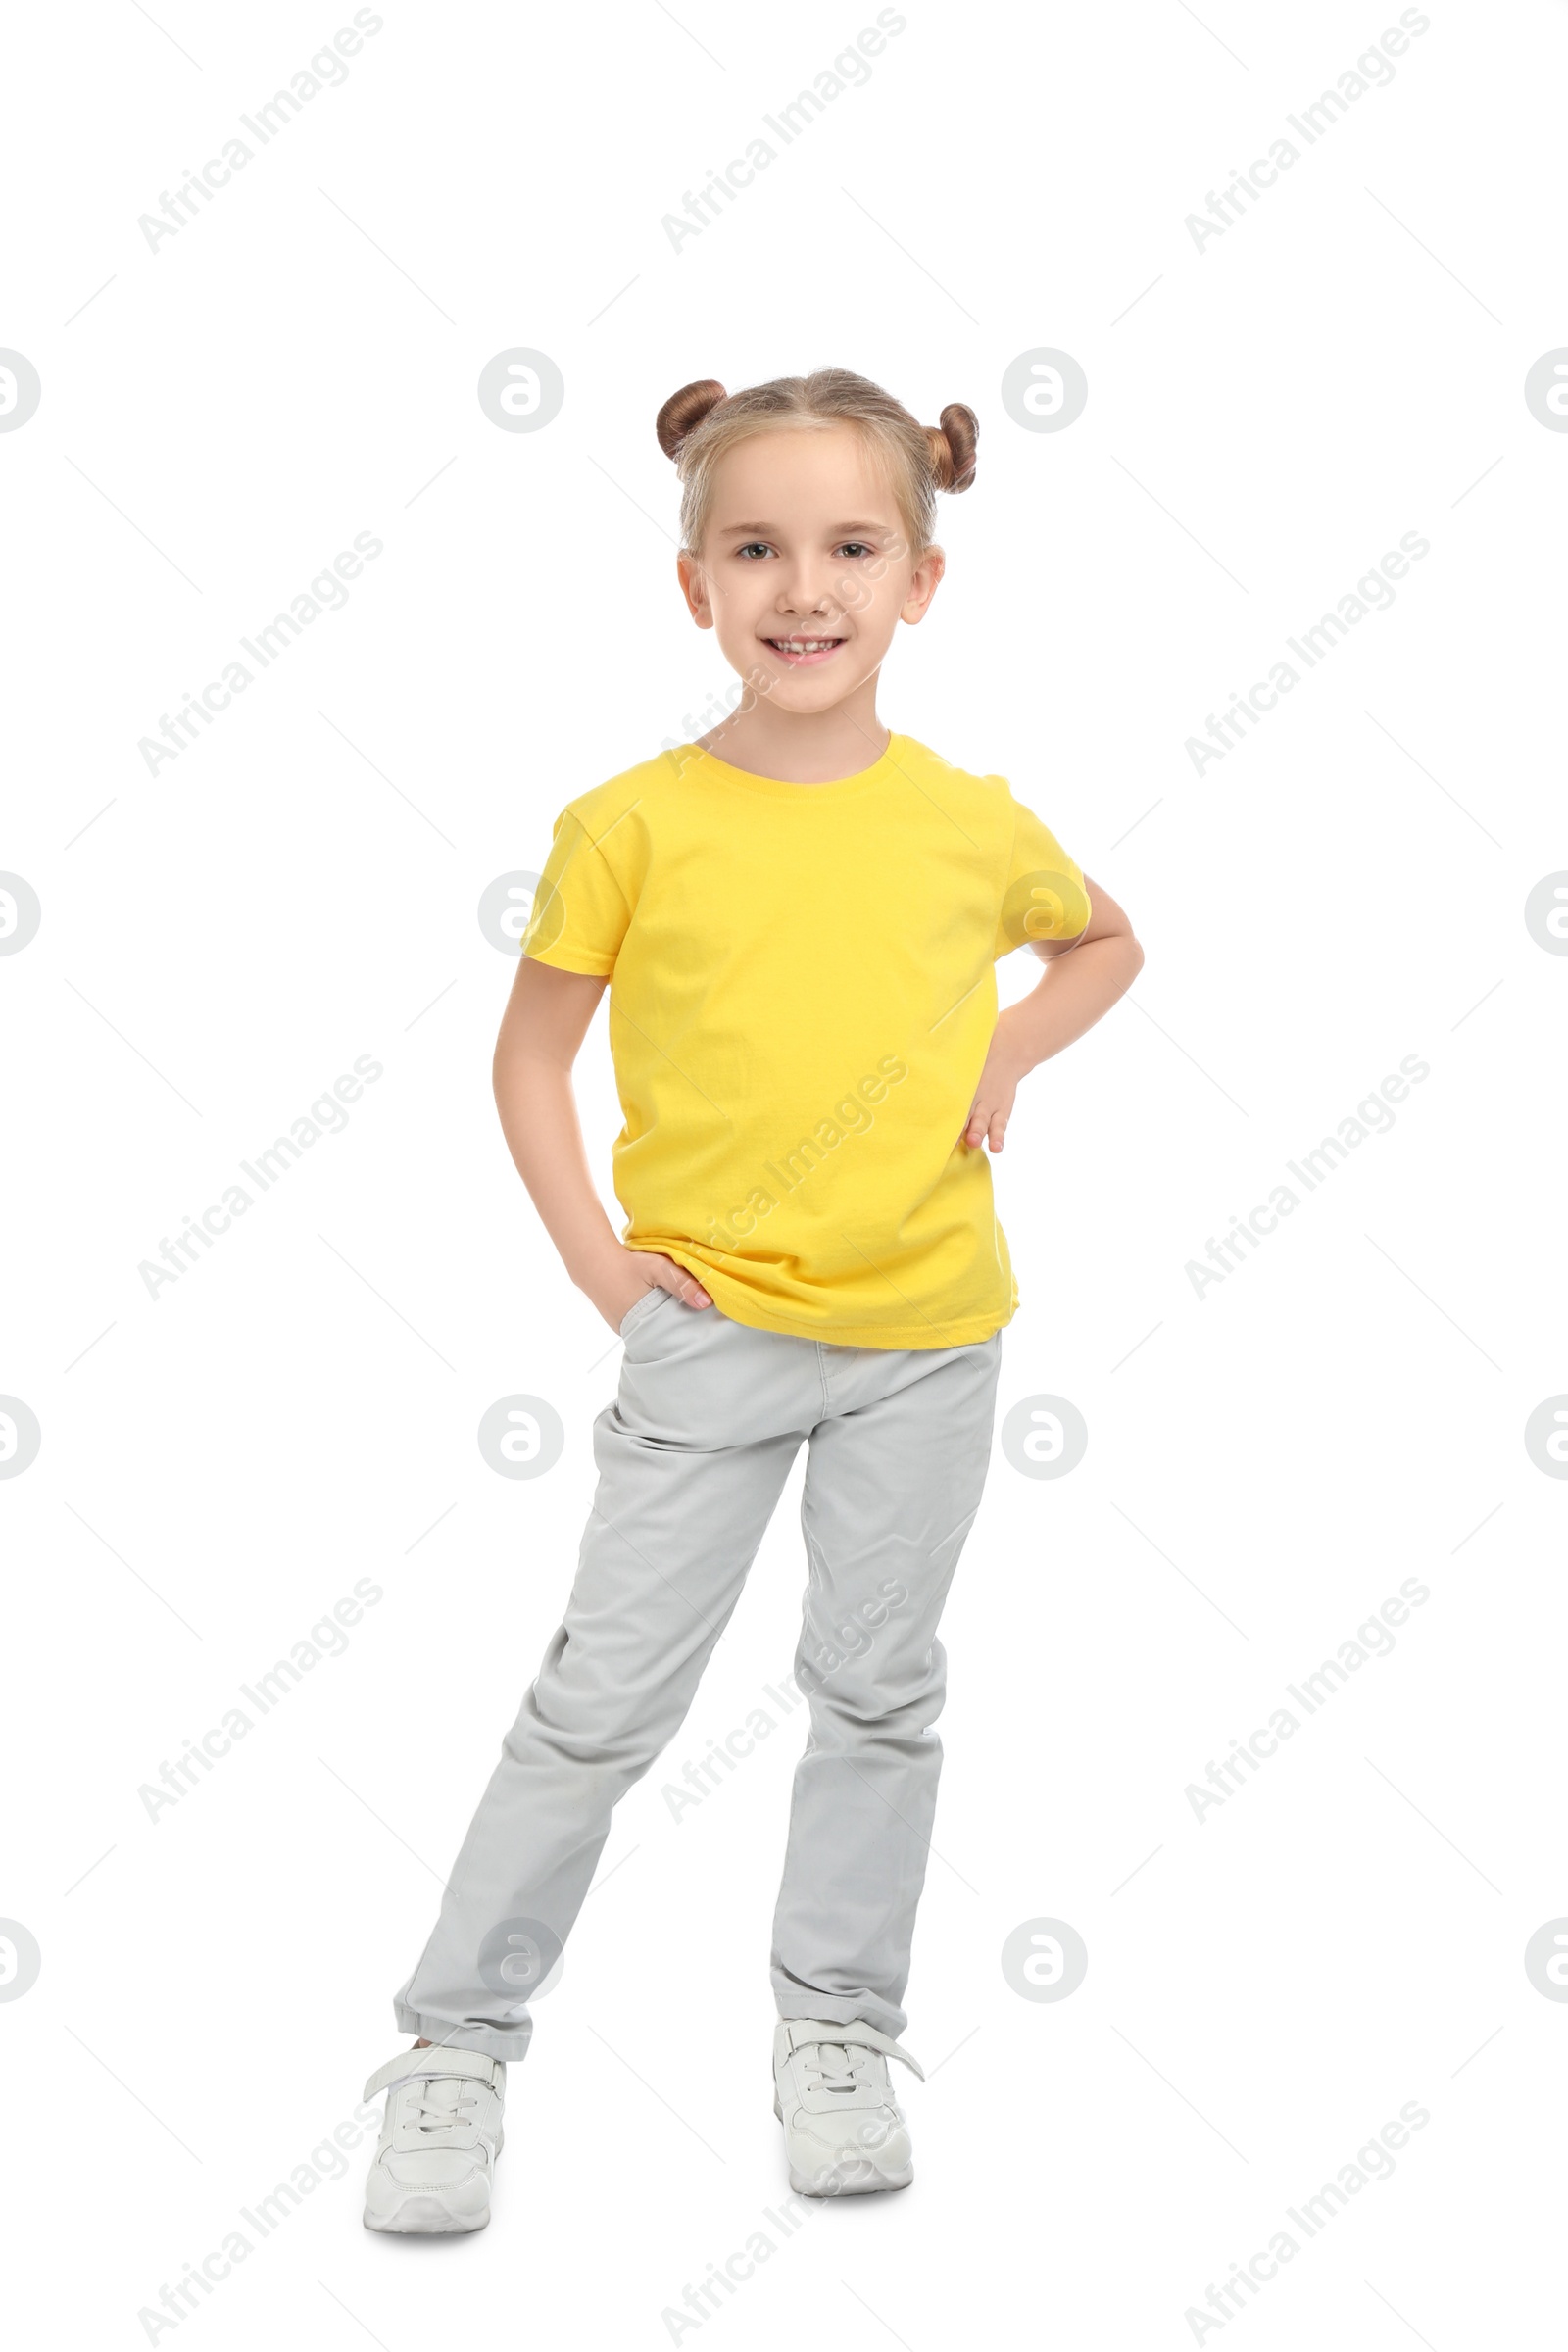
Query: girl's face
point(805, 568)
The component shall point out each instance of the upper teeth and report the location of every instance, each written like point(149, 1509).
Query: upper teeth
point(806, 644)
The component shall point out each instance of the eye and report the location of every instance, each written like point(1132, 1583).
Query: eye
point(753, 547)
point(853, 546)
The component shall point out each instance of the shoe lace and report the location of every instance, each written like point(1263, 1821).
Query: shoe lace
point(837, 2065)
point(433, 2112)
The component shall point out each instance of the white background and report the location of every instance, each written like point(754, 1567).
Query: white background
point(1265, 1465)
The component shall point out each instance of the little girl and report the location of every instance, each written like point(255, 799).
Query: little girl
point(800, 915)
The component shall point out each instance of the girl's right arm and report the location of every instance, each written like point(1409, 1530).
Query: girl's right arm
point(542, 1029)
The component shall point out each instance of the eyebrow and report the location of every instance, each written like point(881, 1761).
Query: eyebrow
point(839, 530)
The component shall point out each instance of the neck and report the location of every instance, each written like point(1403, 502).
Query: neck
point(802, 747)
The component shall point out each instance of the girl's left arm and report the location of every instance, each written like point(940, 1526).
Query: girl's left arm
point(1091, 971)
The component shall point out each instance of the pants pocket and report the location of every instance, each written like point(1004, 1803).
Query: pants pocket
point(641, 1308)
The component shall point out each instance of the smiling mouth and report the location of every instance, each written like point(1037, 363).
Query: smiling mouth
point(802, 651)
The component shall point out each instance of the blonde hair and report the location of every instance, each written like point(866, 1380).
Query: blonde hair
point(702, 421)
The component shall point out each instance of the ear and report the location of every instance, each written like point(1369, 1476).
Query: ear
point(694, 587)
point(923, 583)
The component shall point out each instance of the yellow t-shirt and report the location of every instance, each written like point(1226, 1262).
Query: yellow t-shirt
point(802, 995)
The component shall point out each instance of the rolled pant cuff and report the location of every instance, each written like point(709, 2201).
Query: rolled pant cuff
point(491, 2042)
point(842, 2009)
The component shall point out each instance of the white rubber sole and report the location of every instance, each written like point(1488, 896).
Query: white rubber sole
point(856, 2177)
point(425, 2216)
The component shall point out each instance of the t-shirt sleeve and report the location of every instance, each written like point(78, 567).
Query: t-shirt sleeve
point(579, 912)
point(1043, 892)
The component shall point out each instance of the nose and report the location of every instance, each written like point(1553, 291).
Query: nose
point(808, 593)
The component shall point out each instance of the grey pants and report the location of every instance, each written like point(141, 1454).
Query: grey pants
point(692, 1459)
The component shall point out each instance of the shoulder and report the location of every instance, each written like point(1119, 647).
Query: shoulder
point(599, 811)
point(987, 797)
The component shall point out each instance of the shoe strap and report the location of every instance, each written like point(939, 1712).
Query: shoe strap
point(803, 2031)
point(433, 2064)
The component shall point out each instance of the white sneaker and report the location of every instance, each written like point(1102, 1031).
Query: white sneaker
point(439, 2141)
point(844, 2132)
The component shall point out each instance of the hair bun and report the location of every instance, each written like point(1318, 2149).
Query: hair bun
point(684, 409)
point(953, 446)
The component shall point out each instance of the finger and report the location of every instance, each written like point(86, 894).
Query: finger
point(672, 1276)
point(998, 1129)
